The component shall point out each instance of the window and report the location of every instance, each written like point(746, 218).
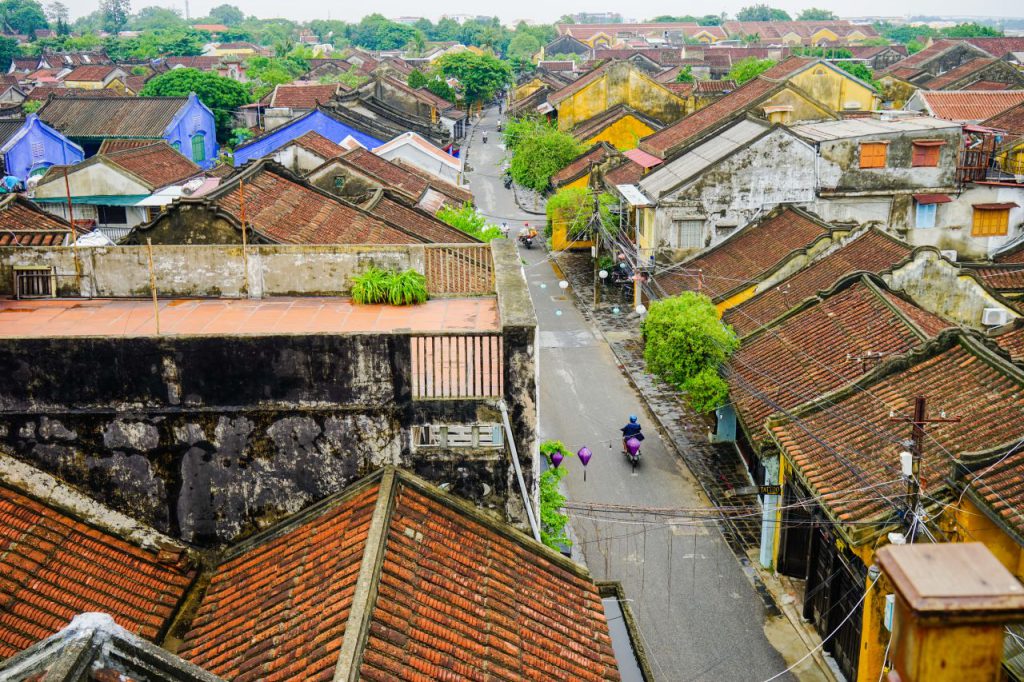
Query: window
point(925, 215)
point(458, 436)
point(177, 146)
point(872, 154)
point(113, 215)
point(926, 153)
point(991, 220)
point(688, 234)
point(199, 147)
point(37, 150)
point(339, 181)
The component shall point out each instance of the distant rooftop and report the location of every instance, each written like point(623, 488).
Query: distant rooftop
point(860, 127)
point(230, 317)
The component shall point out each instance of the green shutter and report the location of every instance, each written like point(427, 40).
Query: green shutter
point(199, 147)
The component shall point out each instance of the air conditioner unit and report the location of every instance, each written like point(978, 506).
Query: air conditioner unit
point(995, 317)
point(949, 254)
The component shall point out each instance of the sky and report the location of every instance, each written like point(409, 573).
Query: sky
point(545, 11)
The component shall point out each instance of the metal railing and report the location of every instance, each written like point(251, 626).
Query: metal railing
point(457, 366)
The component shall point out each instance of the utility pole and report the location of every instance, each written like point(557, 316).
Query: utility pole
point(917, 422)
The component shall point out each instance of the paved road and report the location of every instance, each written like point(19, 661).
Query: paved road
point(699, 615)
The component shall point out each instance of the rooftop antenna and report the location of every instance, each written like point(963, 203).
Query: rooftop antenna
point(187, 17)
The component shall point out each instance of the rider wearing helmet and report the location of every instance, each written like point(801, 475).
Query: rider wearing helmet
point(631, 430)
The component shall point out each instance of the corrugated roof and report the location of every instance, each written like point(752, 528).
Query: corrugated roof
point(859, 127)
point(8, 128)
point(96, 117)
point(698, 158)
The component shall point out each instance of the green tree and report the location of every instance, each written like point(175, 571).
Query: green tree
point(23, 16)
point(573, 207)
point(858, 70)
point(115, 14)
point(552, 519)
point(375, 32)
point(31, 106)
point(480, 76)
point(539, 150)
point(417, 45)
point(523, 46)
point(467, 219)
point(970, 31)
point(8, 51)
point(152, 17)
point(749, 69)
point(685, 75)
point(913, 46)
point(762, 13)
point(816, 14)
point(229, 15)
point(221, 95)
point(416, 79)
point(437, 85)
point(684, 344)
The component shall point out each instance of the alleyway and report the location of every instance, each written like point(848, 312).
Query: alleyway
point(700, 617)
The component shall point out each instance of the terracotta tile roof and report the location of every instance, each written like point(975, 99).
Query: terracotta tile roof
point(118, 145)
point(578, 84)
point(1000, 485)
point(135, 84)
point(458, 195)
point(302, 96)
point(287, 212)
point(416, 221)
point(747, 256)
point(318, 144)
point(715, 87)
point(922, 57)
point(1002, 277)
point(1011, 120)
point(1014, 254)
point(872, 251)
point(987, 85)
point(808, 353)
point(998, 46)
point(959, 73)
point(200, 62)
point(454, 596)
point(680, 89)
point(22, 223)
point(44, 92)
point(54, 566)
point(969, 105)
point(97, 117)
point(90, 74)
point(582, 164)
point(628, 173)
point(903, 73)
point(1013, 343)
point(399, 177)
point(158, 163)
point(835, 447)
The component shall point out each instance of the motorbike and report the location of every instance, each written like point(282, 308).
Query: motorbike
point(485, 138)
point(526, 241)
point(499, 126)
point(507, 180)
point(631, 448)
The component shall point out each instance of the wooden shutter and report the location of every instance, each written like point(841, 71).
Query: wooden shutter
point(872, 155)
point(926, 154)
point(990, 222)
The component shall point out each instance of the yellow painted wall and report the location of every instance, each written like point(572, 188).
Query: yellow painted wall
point(84, 85)
point(526, 89)
point(560, 240)
point(621, 83)
point(824, 34)
point(896, 91)
point(623, 134)
point(645, 229)
point(834, 89)
point(735, 300)
point(802, 109)
point(246, 51)
point(972, 525)
point(582, 182)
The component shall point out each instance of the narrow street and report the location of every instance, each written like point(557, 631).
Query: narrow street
point(700, 617)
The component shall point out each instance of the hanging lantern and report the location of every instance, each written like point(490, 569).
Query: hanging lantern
point(556, 458)
point(584, 454)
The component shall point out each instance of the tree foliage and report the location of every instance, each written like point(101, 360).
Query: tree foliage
point(416, 79)
point(685, 75)
point(115, 14)
point(221, 95)
point(762, 13)
point(822, 51)
point(8, 51)
point(467, 219)
point(858, 70)
point(523, 46)
point(685, 342)
point(706, 20)
point(153, 18)
point(23, 16)
point(749, 69)
point(573, 207)
point(375, 32)
point(816, 14)
point(552, 520)
point(909, 34)
point(539, 150)
point(229, 15)
point(480, 76)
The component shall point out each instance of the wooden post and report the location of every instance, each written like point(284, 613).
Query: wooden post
point(245, 242)
point(152, 284)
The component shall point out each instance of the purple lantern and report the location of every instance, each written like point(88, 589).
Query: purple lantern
point(556, 458)
point(584, 454)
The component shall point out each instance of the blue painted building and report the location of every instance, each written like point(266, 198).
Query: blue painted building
point(185, 123)
point(28, 147)
point(316, 120)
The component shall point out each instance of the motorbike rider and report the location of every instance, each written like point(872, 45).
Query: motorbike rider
point(631, 430)
point(485, 137)
point(527, 233)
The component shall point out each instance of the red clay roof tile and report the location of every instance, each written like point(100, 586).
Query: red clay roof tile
point(306, 96)
point(744, 258)
point(872, 251)
point(808, 353)
point(319, 145)
point(836, 447)
point(1000, 485)
point(22, 223)
point(53, 567)
point(970, 105)
point(581, 164)
point(157, 163)
point(960, 72)
point(90, 74)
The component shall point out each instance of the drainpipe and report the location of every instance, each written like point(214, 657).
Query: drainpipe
point(527, 502)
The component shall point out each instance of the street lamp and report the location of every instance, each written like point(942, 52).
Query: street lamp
point(603, 274)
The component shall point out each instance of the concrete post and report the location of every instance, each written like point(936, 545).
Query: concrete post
point(953, 602)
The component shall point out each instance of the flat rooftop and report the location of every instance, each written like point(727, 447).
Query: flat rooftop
point(43, 318)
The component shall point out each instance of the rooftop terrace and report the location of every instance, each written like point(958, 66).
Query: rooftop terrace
point(281, 315)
